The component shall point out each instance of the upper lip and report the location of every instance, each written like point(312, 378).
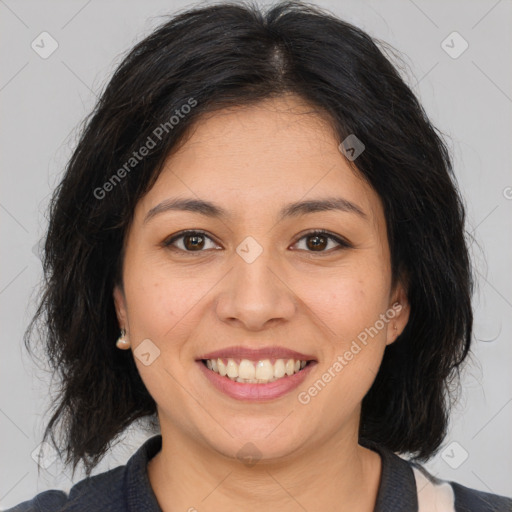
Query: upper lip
point(240, 352)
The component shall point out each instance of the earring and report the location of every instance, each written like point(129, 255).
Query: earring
point(121, 342)
point(395, 327)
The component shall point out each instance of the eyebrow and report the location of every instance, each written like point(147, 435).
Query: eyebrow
point(210, 209)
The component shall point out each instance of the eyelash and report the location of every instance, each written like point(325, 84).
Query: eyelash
point(319, 232)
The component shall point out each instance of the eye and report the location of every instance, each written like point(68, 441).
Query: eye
point(319, 240)
point(196, 241)
point(189, 241)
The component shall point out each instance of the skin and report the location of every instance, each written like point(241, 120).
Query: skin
point(252, 161)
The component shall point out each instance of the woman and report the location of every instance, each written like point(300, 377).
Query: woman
point(263, 217)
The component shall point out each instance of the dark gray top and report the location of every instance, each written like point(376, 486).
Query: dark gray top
point(127, 489)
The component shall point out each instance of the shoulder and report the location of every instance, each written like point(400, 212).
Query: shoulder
point(407, 486)
point(469, 499)
point(45, 501)
point(124, 488)
point(437, 494)
point(99, 492)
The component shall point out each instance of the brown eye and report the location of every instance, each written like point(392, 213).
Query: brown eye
point(318, 241)
point(193, 241)
point(189, 241)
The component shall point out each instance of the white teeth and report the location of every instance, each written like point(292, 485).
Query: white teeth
point(260, 372)
point(246, 370)
point(264, 369)
point(279, 369)
point(222, 367)
point(232, 368)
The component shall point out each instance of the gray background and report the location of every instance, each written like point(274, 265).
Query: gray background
point(469, 98)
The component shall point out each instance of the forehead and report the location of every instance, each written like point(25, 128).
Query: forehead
point(255, 158)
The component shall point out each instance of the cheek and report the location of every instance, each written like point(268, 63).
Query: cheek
point(356, 337)
point(348, 303)
point(160, 311)
point(350, 306)
point(160, 303)
point(151, 307)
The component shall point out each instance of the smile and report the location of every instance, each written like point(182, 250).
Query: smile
point(255, 390)
point(255, 372)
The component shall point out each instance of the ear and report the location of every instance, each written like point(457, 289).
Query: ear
point(120, 304)
point(398, 313)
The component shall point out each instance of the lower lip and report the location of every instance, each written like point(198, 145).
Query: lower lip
point(256, 392)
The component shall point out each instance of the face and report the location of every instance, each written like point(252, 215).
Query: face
point(257, 277)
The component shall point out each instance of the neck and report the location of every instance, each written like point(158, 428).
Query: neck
point(335, 475)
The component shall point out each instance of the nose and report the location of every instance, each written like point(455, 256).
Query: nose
point(256, 294)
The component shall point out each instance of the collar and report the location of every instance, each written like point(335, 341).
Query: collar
point(138, 491)
point(397, 488)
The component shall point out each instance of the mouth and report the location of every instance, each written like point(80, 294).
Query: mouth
point(255, 380)
point(261, 365)
point(260, 371)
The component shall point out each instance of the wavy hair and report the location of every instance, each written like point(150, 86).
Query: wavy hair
point(232, 54)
